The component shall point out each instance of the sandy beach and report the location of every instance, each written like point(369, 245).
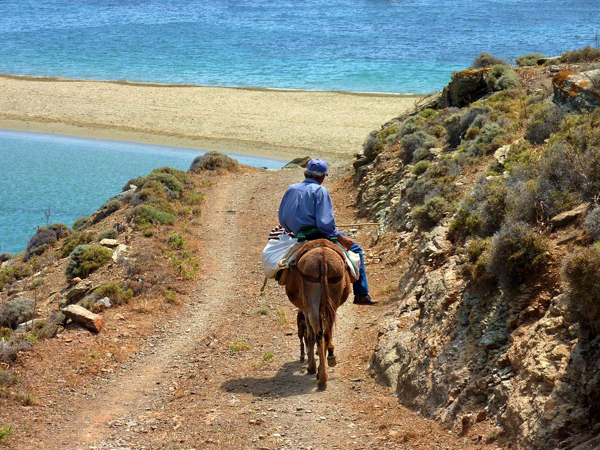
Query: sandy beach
point(271, 123)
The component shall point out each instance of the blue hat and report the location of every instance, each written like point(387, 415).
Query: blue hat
point(317, 165)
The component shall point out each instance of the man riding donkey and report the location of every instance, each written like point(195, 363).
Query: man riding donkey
point(316, 263)
point(306, 211)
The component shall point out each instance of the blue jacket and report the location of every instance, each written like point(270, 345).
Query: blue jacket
point(307, 203)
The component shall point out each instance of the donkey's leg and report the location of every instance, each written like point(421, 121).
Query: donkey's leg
point(331, 359)
point(301, 322)
point(313, 318)
point(310, 349)
point(322, 376)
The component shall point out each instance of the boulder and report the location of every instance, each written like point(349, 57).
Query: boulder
point(77, 292)
point(569, 216)
point(464, 88)
point(87, 318)
point(577, 91)
point(29, 324)
point(117, 254)
point(298, 162)
point(112, 243)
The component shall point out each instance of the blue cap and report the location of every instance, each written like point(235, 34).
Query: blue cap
point(317, 165)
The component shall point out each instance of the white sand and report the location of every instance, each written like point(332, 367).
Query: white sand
point(270, 123)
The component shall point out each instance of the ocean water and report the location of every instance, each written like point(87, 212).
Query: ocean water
point(400, 46)
point(72, 177)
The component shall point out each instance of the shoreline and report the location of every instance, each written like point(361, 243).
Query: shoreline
point(272, 123)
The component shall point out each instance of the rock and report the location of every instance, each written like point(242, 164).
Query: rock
point(545, 60)
point(77, 293)
point(501, 154)
point(112, 243)
point(568, 238)
point(87, 318)
point(554, 69)
point(117, 254)
point(75, 281)
point(29, 324)
point(568, 216)
point(361, 162)
point(101, 305)
point(298, 162)
point(464, 88)
point(577, 91)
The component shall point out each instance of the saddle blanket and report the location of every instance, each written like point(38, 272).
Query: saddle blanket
point(280, 253)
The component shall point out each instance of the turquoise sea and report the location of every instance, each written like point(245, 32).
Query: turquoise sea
point(399, 46)
point(70, 177)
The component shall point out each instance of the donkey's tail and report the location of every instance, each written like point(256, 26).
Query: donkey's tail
point(326, 306)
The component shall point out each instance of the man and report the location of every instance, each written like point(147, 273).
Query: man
point(307, 212)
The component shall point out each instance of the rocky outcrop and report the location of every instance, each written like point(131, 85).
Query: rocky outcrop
point(464, 88)
point(577, 91)
point(456, 354)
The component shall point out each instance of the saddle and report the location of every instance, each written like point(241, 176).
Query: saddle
point(308, 246)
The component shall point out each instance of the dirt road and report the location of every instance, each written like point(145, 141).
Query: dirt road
point(225, 374)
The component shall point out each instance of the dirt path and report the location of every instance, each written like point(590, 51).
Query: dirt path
point(226, 373)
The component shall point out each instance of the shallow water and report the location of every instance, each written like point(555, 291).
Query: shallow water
point(72, 177)
point(402, 46)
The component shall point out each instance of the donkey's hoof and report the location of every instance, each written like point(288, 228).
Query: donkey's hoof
point(311, 371)
point(302, 358)
point(331, 361)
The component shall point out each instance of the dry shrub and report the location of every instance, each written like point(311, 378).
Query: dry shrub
point(17, 311)
point(581, 274)
point(516, 253)
point(214, 161)
point(487, 60)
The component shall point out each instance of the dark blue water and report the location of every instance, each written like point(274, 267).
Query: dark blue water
point(402, 46)
point(73, 177)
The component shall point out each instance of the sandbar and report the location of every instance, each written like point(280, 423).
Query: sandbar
point(281, 124)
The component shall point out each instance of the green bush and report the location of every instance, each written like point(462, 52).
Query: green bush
point(111, 233)
point(152, 191)
point(414, 142)
point(80, 223)
point(530, 59)
point(544, 120)
point(40, 242)
point(171, 184)
point(79, 238)
point(592, 223)
point(373, 146)
point(85, 259)
point(487, 60)
point(150, 214)
point(17, 311)
point(516, 252)
point(502, 78)
point(476, 267)
point(586, 53)
point(431, 212)
point(482, 211)
point(117, 294)
point(581, 274)
point(179, 174)
point(214, 161)
point(593, 66)
point(420, 167)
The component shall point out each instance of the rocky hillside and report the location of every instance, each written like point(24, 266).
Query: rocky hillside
point(491, 189)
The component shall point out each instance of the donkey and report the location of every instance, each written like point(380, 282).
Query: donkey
point(318, 285)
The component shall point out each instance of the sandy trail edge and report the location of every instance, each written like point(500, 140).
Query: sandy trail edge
point(271, 123)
